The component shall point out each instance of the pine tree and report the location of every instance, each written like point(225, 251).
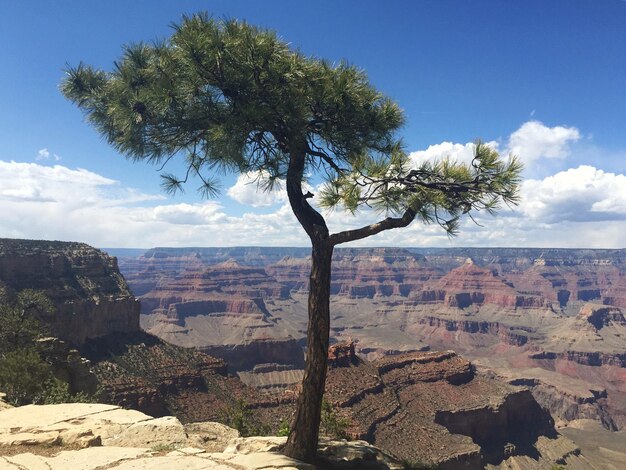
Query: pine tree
point(230, 97)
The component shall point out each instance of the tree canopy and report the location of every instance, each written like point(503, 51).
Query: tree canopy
point(233, 97)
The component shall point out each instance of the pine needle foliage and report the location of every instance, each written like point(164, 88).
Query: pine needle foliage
point(232, 97)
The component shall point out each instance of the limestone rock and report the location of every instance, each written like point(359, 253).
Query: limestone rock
point(209, 435)
point(151, 433)
point(129, 440)
point(250, 445)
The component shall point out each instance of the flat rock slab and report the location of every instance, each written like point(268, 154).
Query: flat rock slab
point(84, 459)
point(128, 458)
point(109, 437)
point(87, 425)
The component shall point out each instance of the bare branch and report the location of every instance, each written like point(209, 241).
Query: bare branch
point(369, 230)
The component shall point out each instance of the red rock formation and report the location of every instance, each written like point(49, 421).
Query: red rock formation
point(436, 400)
point(470, 284)
point(374, 273)
point(515, 336)
point(600, 317)
point(341, 355)
point(84, 284)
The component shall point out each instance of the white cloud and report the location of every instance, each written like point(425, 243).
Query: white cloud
point(247, 190)
point(578, 194)
point(578, 207)
point(44, 154)
point(533, 140)
point(462, 153)
point(204, 213)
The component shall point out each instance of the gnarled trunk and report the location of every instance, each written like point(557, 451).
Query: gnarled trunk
point(302, 442)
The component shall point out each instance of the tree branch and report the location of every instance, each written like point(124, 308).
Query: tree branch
point(369, 230)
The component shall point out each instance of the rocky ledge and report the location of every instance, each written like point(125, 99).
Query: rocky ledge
point(97, 436)
point(432, 408)
point(90, 296)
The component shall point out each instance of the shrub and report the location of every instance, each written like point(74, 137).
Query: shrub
point(331, 423)
point(240, 417)
point(24, 376)
point(283, 428)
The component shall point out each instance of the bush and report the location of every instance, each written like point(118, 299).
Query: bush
point(331, 424)
point(24, 376)
point(19, 327)
point(241, 418)
point(283, 428)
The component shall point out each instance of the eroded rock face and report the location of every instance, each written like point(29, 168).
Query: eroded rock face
point(557, 310)
point(142, 372)
point(433, 408)
point(89, 293)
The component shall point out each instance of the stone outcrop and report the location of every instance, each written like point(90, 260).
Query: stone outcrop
point(554, 309)
point(90, 296)
point(96, 436)
point(459, 419)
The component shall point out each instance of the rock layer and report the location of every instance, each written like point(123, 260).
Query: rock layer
point(90, 295)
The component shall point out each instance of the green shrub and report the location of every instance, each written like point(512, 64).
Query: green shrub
point(331, 424)
point(24, 376)
point(240, 417)
point(283, 428)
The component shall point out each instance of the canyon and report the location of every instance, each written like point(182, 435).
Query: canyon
point(538, 330)
point(548, 319)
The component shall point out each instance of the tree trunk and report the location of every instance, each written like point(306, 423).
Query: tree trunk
point(302, 442)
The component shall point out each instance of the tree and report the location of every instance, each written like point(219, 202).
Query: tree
point(19, 319)
point(229, 97)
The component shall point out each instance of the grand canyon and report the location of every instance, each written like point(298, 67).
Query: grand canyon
point(459, 358)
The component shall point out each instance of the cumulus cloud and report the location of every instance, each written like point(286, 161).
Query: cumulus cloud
point(44, 154)
point(247, 190)
point(578, 194)
point(534, 140)
point(462, 153)
point(33, 182)
point(56, 202)
point(577, 207)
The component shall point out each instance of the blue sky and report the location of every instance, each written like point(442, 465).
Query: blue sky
point(543, 79)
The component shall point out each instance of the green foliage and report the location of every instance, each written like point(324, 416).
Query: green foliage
point(240, 417)
point(19, 325)
point(58, 391)
point(228, 96)
point(283, 428)
point(440, 191)
point(557, 467)
point(24, 376)
point(331, 424)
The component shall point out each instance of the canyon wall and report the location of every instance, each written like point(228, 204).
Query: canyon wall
point(557, 310)
point(90, 296)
